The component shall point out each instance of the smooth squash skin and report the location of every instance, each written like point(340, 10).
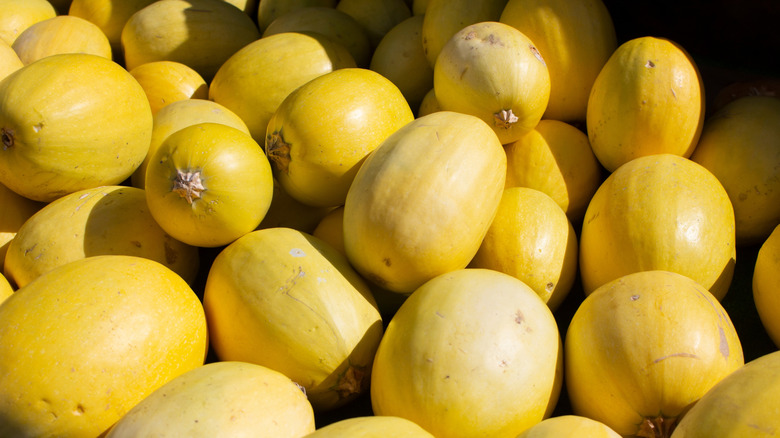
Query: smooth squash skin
point(740, 145)
point(766, 285)
point(495, 72)
point(642, 348)
point(228, 398)
point(322, 132)
point(9, 60)
point(84, 343)
point(16, 210)
point(375, 426)
point(269, 10)
point(70, 122)
point(647, 99)
point(743, 404)
point(61, 34)
point(288, 301)
point(100, 221)
point(659, 212)
point(18, 15)
point(471, 353)
point(575, 37)
point(6, 290)
point(438, 177)
point(202, 34)
point(208, 184)
point(109, 15)
point(166, 82)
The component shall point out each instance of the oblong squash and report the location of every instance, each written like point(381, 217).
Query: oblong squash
point(473, 352)
point(70, 122)
point(99, 221)
point(61, 34)
point(84, 343)
point(374, 426)
point(227, 398)
point(286, 300)
point(423, 200)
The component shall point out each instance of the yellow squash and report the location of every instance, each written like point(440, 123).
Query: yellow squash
point(70, 122)
point(744, 404)
point(208, 184)
point(6, 290)
point(169, 81)
point(221, 399)
point(422, 202)
point(288, 301)
point(647, 99)
point(269, 10)
point(286, 211)
point(256, 79)
point(322, 132)
point(575, 37)
point(473, 352)
point(18, 15)
point(659, 212)
point(740, 145)
point(202, 34)
point(109, 15)
point(181, 114)
point(374, 426)
point(9, 60)
point(555, 158)
point(99, 221)
point(531, 239)
point(399, 56)
point(495, 72)
point(766, 285)
point(84, 343)
point(330, 22)
point(444, 18)
point(376, 16)
point(642, 348)
point(569, 426)
point(61, 34)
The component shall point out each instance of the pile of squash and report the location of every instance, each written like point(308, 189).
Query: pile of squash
point(442, 218)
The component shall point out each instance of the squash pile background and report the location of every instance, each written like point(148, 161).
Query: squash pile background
point(178, 64)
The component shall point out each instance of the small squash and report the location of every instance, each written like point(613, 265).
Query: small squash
point(495, 72)
point(647, 99)
point(70, 122)
point(6, 290)
point(659, 212)
point(169, 81)
point(18, 15)
point(99, 221)
point(643, 348)
point(208, 184)
point(84, 343)
point(109, 15)
point(439, 176)
point(569, 426)
point(321, 133)
point(250, 84)
point(288, 301)
point(16, 210)
point(270, 10)
point(473, 352)
point(9, 60)
point(221, 399)
point(376, 16)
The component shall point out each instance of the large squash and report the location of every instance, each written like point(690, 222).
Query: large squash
point(70, 122)
point(642, 348)
point(471, 353)
point(222, 399)
point(659, 212)
point(61, 34)
point(319, 136)
point(422, 202)
point(495, 72)
point(84, 343)
point(575, 37)
point(18, 15)
point(647, 99)
point(286, 300)
point(99, 221)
